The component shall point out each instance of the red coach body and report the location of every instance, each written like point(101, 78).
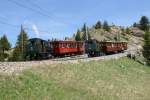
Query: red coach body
point(67, 47)
point(110, 47)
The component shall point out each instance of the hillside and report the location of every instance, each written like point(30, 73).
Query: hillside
point(122, 79)
point(135, 35)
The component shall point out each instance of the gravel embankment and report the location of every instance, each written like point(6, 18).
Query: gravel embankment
point(14, 67)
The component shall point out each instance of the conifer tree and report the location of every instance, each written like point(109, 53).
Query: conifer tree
point(144, 24)
point(20, 51)
point(78, 36)
point(135, 24)
point(86, 34)
point(106, 26)
point(5, 45)
point(1, 52)
point(98, 25)
point(84, 28)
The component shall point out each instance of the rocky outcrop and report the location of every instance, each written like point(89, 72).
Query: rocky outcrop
point(137, 32)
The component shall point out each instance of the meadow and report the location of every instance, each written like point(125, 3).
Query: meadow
point(122, 79)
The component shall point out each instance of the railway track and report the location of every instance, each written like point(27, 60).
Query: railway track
point(86, 58)
point(16, 67)
point(71, 58)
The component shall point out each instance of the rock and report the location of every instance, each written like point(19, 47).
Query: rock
point(137, 32)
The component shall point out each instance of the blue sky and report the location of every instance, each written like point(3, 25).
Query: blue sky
point(60, 18)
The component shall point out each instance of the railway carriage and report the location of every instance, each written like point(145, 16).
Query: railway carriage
point(113, 47)
point(62, 48)
point(96, 48)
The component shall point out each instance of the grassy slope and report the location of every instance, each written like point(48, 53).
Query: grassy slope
point(101, 35)
point(121, 79)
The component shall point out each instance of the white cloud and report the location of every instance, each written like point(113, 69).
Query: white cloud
point(36, 31)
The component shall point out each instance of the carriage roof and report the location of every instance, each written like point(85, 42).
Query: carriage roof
point(36, 39)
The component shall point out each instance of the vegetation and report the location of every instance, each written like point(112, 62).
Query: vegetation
point(146, 51)
point(19, 53)
point(107, 80)
point(86, 34)
point(78, 36)
point(98, 25)
point(128, 31)
point(135, 24)
point(4, 46)
point(144, 23)
point(84, 30)
point(106, 27)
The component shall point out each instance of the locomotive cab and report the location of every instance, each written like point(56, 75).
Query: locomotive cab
point(38, 49)
point(93, 48)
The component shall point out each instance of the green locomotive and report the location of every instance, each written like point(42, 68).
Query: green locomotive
point(38, 49)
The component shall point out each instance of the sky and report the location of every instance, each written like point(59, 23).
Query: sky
point(48, 19)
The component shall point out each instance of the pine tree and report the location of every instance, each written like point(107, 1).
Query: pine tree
point(78, 36)
point(144, 23)
point(146, 51)
point(135, 24)
point(20, 51)
point(1, 49)
point(106, 26)
point(66, 38)
point(84, 28)
point(98, 25)
point(5, 45)
point(1, 52)
point(86, 34)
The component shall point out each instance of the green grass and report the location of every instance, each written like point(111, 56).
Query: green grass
point(121, 79)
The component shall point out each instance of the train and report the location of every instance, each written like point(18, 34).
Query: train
point(39, 49)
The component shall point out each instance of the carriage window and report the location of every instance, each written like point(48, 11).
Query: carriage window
point(117, 44)
point(112, 45)
point(60, 45)
point(64, 45)
point(67, 45)
point(56, 45)
point(108, 44)
point(71, 45)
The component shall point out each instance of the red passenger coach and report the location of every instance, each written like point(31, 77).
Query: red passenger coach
point(61, 48)
point(111, 47)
